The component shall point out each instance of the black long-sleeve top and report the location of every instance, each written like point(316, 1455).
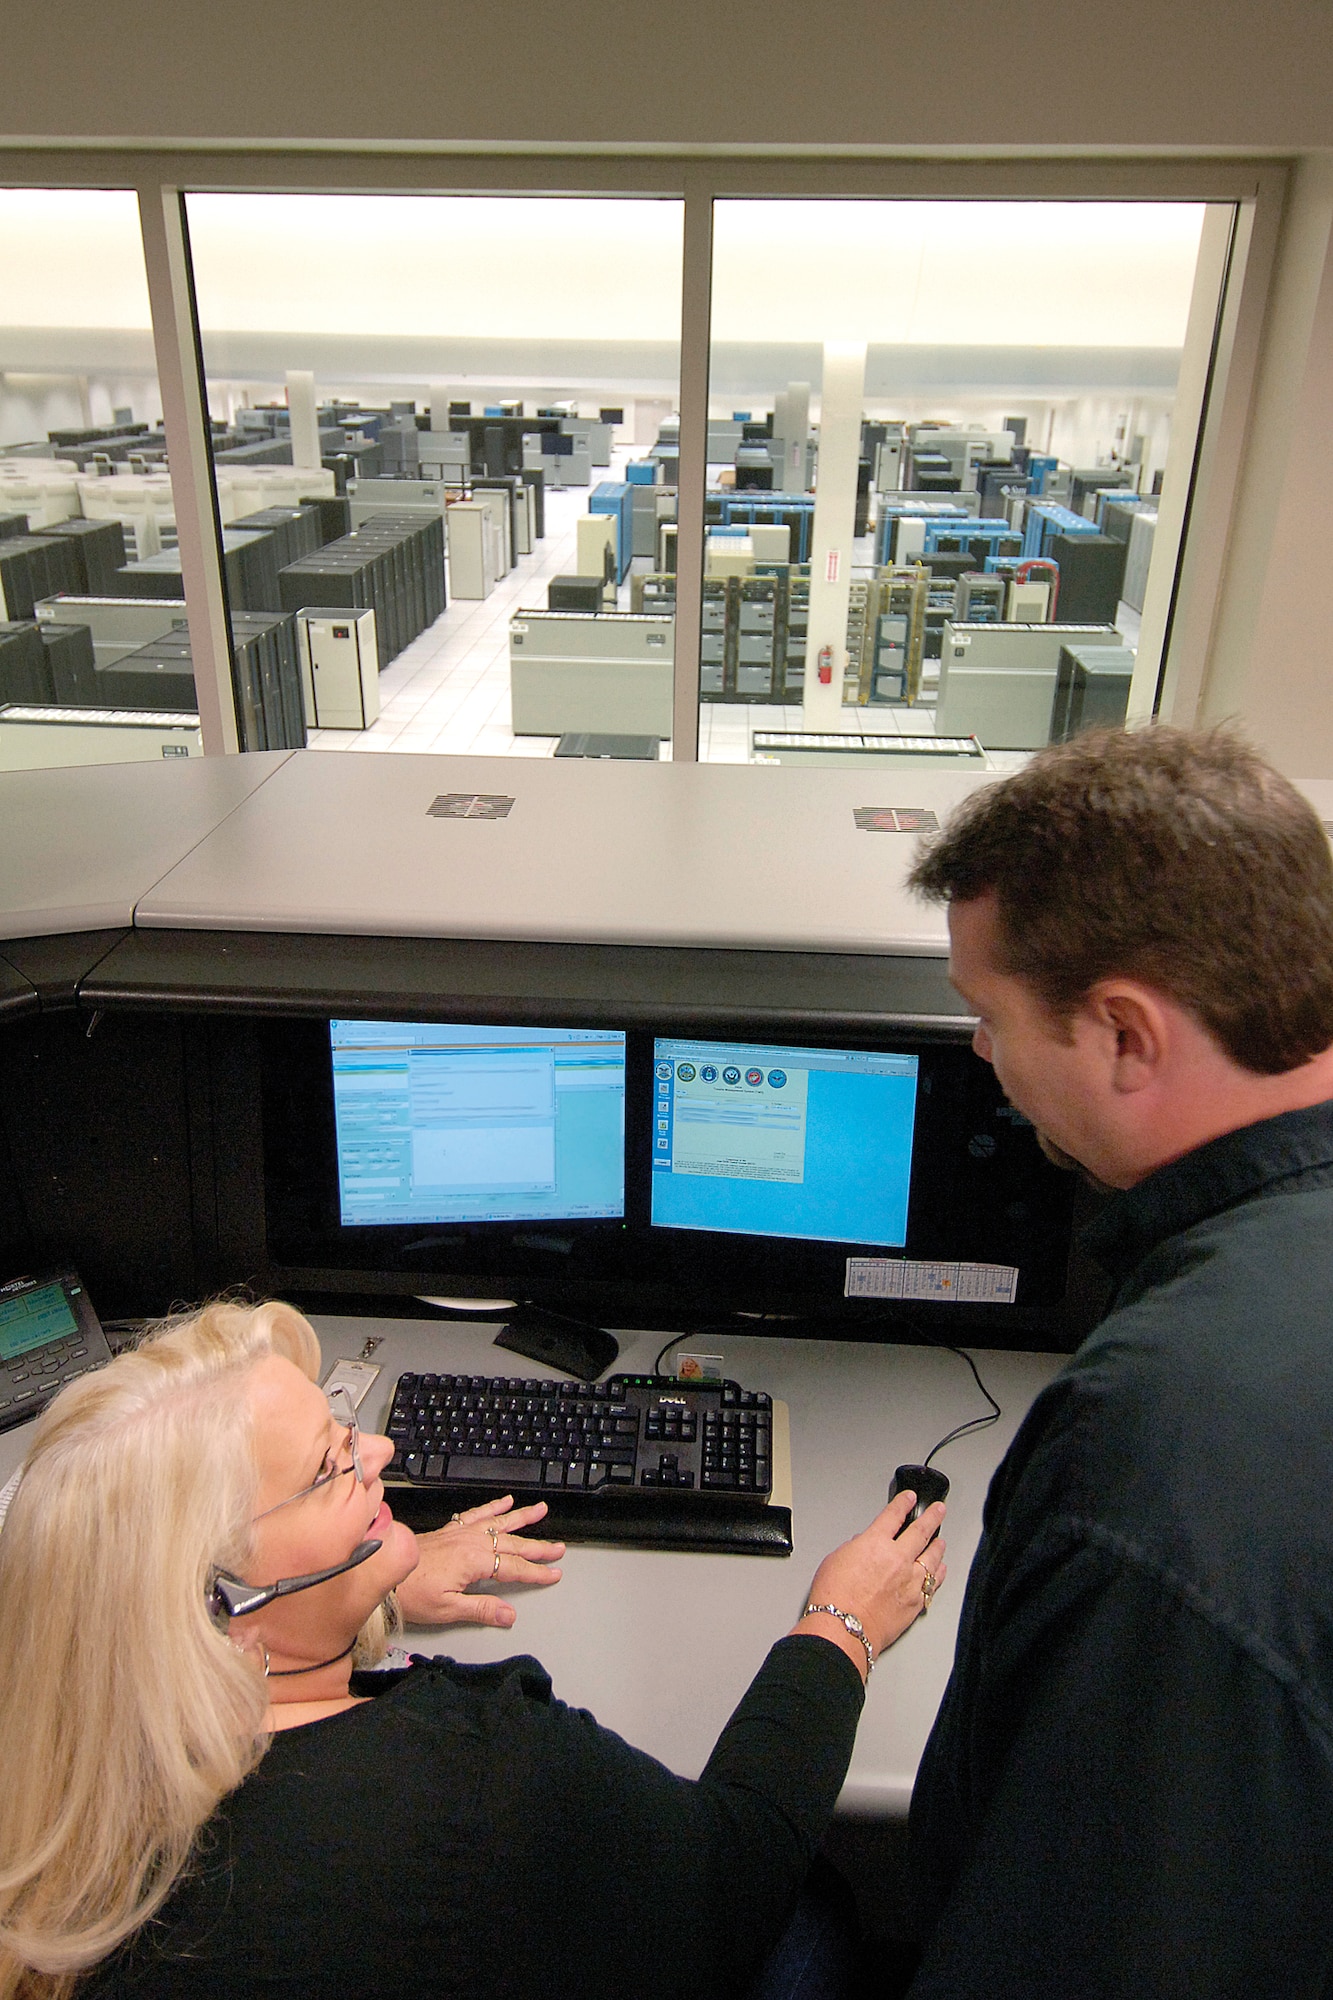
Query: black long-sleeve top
point(1129, 1788)
point(466, 1834)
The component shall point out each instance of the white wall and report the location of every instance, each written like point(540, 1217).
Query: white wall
point(872, 74)
point(1271, 662)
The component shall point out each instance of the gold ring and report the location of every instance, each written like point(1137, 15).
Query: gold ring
point(495, 1566)
point(456, 1520)
point(495, 1540)
point(928, 1589)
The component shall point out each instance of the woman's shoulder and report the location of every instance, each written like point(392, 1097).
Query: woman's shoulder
point(418, 1689)
point(425, 1677)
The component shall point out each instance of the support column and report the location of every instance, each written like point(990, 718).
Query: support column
point(304, 420)
point(695, 311)
point(841, 398)
point(185, 417)
point(439, 406)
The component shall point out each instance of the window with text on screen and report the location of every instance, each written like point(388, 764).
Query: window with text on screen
point(467, 1124)
point(783, 1142)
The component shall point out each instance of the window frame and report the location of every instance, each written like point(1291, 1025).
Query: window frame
point(1256, 188)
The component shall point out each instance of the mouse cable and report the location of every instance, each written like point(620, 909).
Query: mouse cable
point(973, 1423)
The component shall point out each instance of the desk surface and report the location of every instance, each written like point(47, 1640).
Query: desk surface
point(79, 847)
point(590, 852)
point(661, 1646)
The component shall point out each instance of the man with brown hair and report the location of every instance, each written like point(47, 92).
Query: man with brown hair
point(1129, 1786)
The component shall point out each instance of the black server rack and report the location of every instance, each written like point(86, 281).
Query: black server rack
point(335, 516)
point(12, 524)
point(266, 678)
point(24, 673)
point(537, 481)
point(70, 662)
point(1118, 518)
point(1092, 574)
point(575, 593)
point(31, 569)
point(1091, 479)
point(249, 562)
point(97, 551)
point(391, 564)
point(158, 675)
point(268, 681)
point(296, 531)
point(1091, 689)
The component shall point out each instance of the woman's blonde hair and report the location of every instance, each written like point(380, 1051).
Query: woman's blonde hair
point(127, 1714)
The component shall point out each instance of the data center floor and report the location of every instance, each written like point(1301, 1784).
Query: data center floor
point(449, 690)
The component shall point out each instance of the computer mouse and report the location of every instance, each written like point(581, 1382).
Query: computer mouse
point(923, 1480)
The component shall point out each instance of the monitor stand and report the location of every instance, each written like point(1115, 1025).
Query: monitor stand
point(578, 1349)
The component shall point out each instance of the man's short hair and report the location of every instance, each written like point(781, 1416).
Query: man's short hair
point(1178, 859)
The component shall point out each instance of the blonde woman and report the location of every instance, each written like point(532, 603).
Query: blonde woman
point(199, 1794)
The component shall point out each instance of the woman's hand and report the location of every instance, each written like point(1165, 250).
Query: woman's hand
point(881, 1579)
point(463, 1553)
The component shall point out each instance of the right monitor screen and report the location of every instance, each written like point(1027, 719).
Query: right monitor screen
point(801, 1143)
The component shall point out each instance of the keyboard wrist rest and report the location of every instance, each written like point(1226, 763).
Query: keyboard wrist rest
point(725, 1524)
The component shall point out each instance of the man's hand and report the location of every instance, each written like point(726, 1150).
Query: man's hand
point(455, 1557)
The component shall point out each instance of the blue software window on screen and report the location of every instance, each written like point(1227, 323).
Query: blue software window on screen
point(461, 1124)
point(783, 1142)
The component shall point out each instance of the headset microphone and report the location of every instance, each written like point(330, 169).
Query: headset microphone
point(228, 1596)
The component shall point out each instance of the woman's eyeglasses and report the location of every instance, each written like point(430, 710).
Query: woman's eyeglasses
point(343, 1408)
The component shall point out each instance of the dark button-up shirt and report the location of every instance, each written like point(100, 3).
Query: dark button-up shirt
point(1129, 1787)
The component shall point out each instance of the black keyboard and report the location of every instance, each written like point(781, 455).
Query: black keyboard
point(640, 1458)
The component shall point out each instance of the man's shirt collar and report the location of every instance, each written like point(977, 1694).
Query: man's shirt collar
point(1216, 1176)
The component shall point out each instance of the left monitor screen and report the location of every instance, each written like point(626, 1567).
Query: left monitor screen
point(441, 1124)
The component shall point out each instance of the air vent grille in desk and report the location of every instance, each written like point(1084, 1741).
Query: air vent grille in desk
point(640, 1458)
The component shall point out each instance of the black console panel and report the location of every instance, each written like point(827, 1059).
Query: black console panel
point(152, 1087)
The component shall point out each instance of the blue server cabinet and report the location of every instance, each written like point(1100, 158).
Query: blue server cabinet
point(1045, 520)
point(616, 497)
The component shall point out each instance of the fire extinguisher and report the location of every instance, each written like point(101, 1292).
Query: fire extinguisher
point(826, 666)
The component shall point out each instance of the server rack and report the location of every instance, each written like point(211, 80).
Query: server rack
point(159, 675)
point(32, 567)
point(616, 498)
point(1045, 519)
point(24, 673)
point(97, 551)
point(296, 531)
point(391, 564)
point(886, 632)
point(70, 662)
point(1091, 689)
point(1092, 571)
point(250, 563)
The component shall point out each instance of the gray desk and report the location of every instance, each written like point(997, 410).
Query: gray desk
point(733, 857)
point(79, 846)
point(660, 1646)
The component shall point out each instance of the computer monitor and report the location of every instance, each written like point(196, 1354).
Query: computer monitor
point(797, 1143)
point(644, 1174)
point(438, 1124)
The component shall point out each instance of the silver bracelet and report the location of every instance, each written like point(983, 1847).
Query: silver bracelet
point(853, 1624)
